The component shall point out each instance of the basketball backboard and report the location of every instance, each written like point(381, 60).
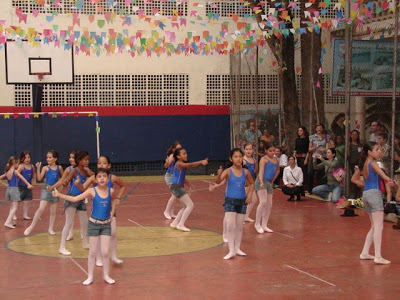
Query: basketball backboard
point(44, 63)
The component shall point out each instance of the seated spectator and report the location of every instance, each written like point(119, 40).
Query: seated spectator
point(261, 149)
point(293, 180)
point(396, 141)
point(267, 137)
point(283, 162)
point(332, 185)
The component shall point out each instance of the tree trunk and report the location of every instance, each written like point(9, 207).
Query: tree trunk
point(283, 50)
point(311, 94)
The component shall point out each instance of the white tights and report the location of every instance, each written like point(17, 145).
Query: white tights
point(104, 241)
point(69, 219)
point(13, 210)
point(113, 246)
point(234, 231)
point(42, 206)
point(374, 235)
point(169, 209)
point(263, 211)
point(250, 206)
point(184, 213)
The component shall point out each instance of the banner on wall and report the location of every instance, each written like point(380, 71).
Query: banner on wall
point(372, 68)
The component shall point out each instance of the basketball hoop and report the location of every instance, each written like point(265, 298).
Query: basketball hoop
point(41, 75)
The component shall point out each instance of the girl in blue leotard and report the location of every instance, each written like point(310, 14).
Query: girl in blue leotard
point(104, 162)
point(236, 200)
point(251, 164)
point(372, 199)
point(269, 170)
point(99, 228)
point(27, 170)
point(12, 193)
point(181, 157)
point(169, 165)
point(51, 172)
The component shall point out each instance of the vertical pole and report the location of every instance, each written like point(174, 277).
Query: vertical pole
point(232, 102)
point(394, 89)
point(256, 102)
point(97, 135)
point(37, 97)
point(239, 98)
point(348, 54)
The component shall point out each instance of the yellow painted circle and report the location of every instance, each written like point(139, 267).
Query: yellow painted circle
point(132, 242)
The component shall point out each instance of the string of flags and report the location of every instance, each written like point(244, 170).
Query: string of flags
point(173, 35)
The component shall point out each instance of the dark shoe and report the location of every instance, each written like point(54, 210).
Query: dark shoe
point(290, 199)
point(298, 198)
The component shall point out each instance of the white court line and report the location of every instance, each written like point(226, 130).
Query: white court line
point(80, 267)
point(141, 225)
point(315, 277)
point(289, 236)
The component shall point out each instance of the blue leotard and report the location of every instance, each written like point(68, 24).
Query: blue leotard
point(179, 175)
point(170, 169)
point(52, 175)
point(13, 182)
point(373, 180)
point(270, 170)
point(235, 186)
point(74, 189)
point(251, 167)
point(27, 174)
point(101, 208)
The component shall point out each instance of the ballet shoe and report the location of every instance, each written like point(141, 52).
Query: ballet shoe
point(366, 256)
point(27, 218)
point(172, 225)
point(182, 228)
point(224, 238)
point(266, 229)
point(229, 256)
point(9, 226)
point(259, 229)
point(167, 215)
point(249, 220)
point(109, 280)
point(240, 252)
point(381, 261)
point(51, 232)
point(64, 252)
point(88, 281)
point(116, 260)
point(15, 217)
point(99, 263)
point(70, 238)
point(27, 231)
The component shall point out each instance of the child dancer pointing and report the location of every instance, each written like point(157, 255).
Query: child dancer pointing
point(99, 227)
point(236, 200)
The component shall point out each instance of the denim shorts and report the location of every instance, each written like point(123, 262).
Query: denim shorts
point(168, 178)
point(267, 185)
point(372, 200)
point(12, 194)
point(177, 190)
point(26, 194)
point(48, 196)
point(98, 229)
point(235, 205)
point(80, 205)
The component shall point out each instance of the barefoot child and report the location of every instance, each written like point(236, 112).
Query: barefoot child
point(180, 156)
point(235, 200)
point(99, 228)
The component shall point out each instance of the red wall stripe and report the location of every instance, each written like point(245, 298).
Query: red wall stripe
point(131, 110)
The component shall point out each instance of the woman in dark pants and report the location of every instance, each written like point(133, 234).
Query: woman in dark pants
point(301, 152)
